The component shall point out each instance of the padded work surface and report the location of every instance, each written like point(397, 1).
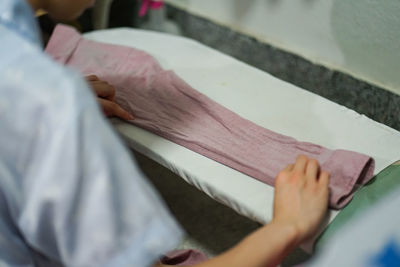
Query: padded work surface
point(167, 106)
point(257, 96)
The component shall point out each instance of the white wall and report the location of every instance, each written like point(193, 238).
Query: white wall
point(358, 37)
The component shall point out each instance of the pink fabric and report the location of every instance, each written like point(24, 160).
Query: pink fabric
point(185, 257)
point(149, 4)
point(165, 105)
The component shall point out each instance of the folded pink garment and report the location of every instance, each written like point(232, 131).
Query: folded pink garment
point(185, 257)
point(167, 106)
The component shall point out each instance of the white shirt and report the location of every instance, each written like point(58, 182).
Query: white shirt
point(70, 195)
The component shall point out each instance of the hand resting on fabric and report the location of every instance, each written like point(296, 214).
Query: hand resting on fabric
point(300, 204)
point(301, 196)
point(105, 96)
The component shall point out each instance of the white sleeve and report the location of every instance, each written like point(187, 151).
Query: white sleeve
point(82, 200)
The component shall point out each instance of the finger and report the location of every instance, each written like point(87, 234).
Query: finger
point(113, 109)
point(300, 164)
point(312, 169)
point(288, 168)
point(123, 114)
point(103, 89)
point(323, 179)
point(91, 78)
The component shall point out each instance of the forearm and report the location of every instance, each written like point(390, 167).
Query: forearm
point(300, 202)
point(265, 247)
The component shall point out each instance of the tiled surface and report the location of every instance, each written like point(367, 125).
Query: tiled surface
point(374, 102)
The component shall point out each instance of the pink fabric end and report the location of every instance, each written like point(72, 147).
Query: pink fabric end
point(186, 257)
point(63, 43)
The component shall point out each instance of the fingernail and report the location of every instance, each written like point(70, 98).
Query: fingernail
point(130, 117)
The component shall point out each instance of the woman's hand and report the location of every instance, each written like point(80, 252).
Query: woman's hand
point(105, 96)
point(301, 197)
point(301, 201)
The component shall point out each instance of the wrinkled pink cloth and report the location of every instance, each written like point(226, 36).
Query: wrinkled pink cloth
point(185, 257)
point(167, 106)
